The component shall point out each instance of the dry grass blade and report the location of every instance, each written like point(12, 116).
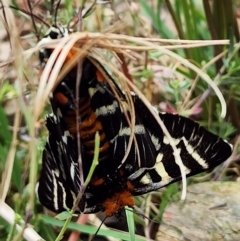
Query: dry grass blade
point(17, 50)
point(7, 173)
point(142, 41)
point(10, 216)
point(48, 77)
point(52, 76)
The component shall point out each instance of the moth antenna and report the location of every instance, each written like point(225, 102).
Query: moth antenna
point(89, 9)
point(51, 7)
point(4, 16)
point(99, 228)
point(32, 15)
point(33, 20)
point(55, 6)
point(77, 19)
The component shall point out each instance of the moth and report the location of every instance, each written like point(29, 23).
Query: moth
point(150, 163)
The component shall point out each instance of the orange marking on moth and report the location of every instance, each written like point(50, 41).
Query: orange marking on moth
point(72, 129)
point(71, 122)
point(101, 149)
point(61, 98)
point(100, 77)
point(89, 121)
point(71, 53)
point(117, 201)
point(97, 181)
point(104, 147)
point(88, 143)
point(84, 107)
point(121, 172)
point(130, 186)
point(92, 131)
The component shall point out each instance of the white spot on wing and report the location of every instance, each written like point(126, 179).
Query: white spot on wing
point(91, 91)
point(155, 142)
point(54, 117)
point(65, 136)
point(59, 113)
point(165, 140)
point(190, 150)
point(72, 171)
point(106, 110)
point(55, 191)
point(57, 172)
point(98, 88)
point(126, 131)
point(160, 169)
point(64, 196)
point(194, 154)
point(145, 179)
point(159, 158)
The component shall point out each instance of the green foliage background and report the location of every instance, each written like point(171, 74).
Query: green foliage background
point(22, 137)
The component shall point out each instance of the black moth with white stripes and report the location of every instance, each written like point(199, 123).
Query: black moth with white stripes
point(150, 163)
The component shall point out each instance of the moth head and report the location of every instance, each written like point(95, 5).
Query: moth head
point(53, 33)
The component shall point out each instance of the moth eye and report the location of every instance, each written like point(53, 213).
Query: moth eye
point(54, 35)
